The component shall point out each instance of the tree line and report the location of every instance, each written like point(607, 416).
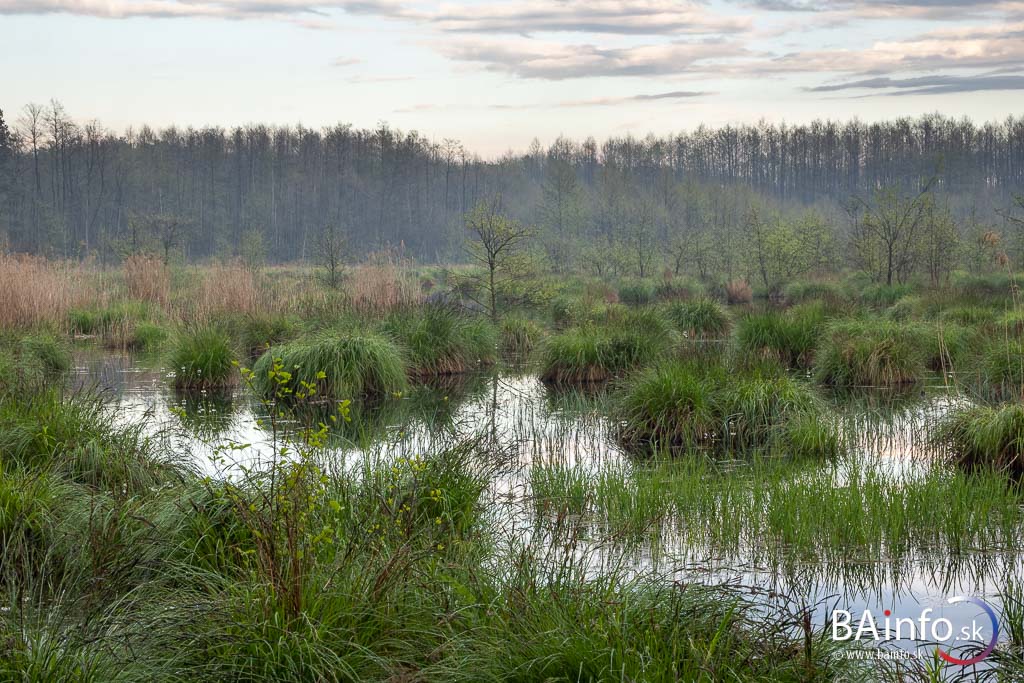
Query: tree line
point(801, 196)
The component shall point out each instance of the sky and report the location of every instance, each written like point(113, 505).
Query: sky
point(497, 75)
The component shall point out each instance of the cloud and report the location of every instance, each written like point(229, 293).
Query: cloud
point(608, 101)
point(556, 61)
point(378, 79)
point(979, 48)
point(928, 85)
point(845, 10)
point(630, 17)
point(213, 9)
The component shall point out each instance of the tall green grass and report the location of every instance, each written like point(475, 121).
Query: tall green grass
point(442, 341)
point(700, 319)
point(688, 406)
point(597, 353)
point(1000, 369)
point(519, 335)
point(31, 362)
point(339, 365)
point(983, 436)
point(203, 358)
point(872, 352)
point(788, 337)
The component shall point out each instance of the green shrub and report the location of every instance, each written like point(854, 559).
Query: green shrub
point(442, 341)
point(341, 365)
point(203, 358)
point(872, 353)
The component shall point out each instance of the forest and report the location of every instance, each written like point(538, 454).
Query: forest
point(73, 189)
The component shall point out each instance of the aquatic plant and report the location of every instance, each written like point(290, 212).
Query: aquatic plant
point(984, 436)
point(682, 406)
point(594, 354)
point(203, 358)
point(255, 332)
point(872, 353)
point(677, 289)
point(803, 291)
point(49, 351)
point(336, 364)
point(789, 337)
point(739, 292)
point(519, 335)
point(998, 369)
point(440, 340)
point(700, 319)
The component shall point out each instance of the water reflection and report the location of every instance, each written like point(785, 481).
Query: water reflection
point(529, 425)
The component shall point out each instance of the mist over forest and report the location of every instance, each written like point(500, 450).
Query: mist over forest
point(693, 202)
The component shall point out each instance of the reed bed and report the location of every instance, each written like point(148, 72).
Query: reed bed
point(35, 292)
point(147, 278)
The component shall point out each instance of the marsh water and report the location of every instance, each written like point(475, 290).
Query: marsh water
point(528, 425)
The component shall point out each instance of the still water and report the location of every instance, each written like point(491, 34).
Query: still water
point(528, 425)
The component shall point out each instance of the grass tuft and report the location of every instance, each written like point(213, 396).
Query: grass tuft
point(701, 319)
point(440, 340)
point(340, 365)
point(985, 437)
point(595, 354)
point(875, 353)
point(519, 336)
point(203, 358)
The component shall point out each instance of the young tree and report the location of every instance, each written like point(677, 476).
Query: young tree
point(939, 244)
point(787, 247)
point(495, 241)
point(156, 232)
point(332, 250)
point(885, 231)
point(170, 232)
